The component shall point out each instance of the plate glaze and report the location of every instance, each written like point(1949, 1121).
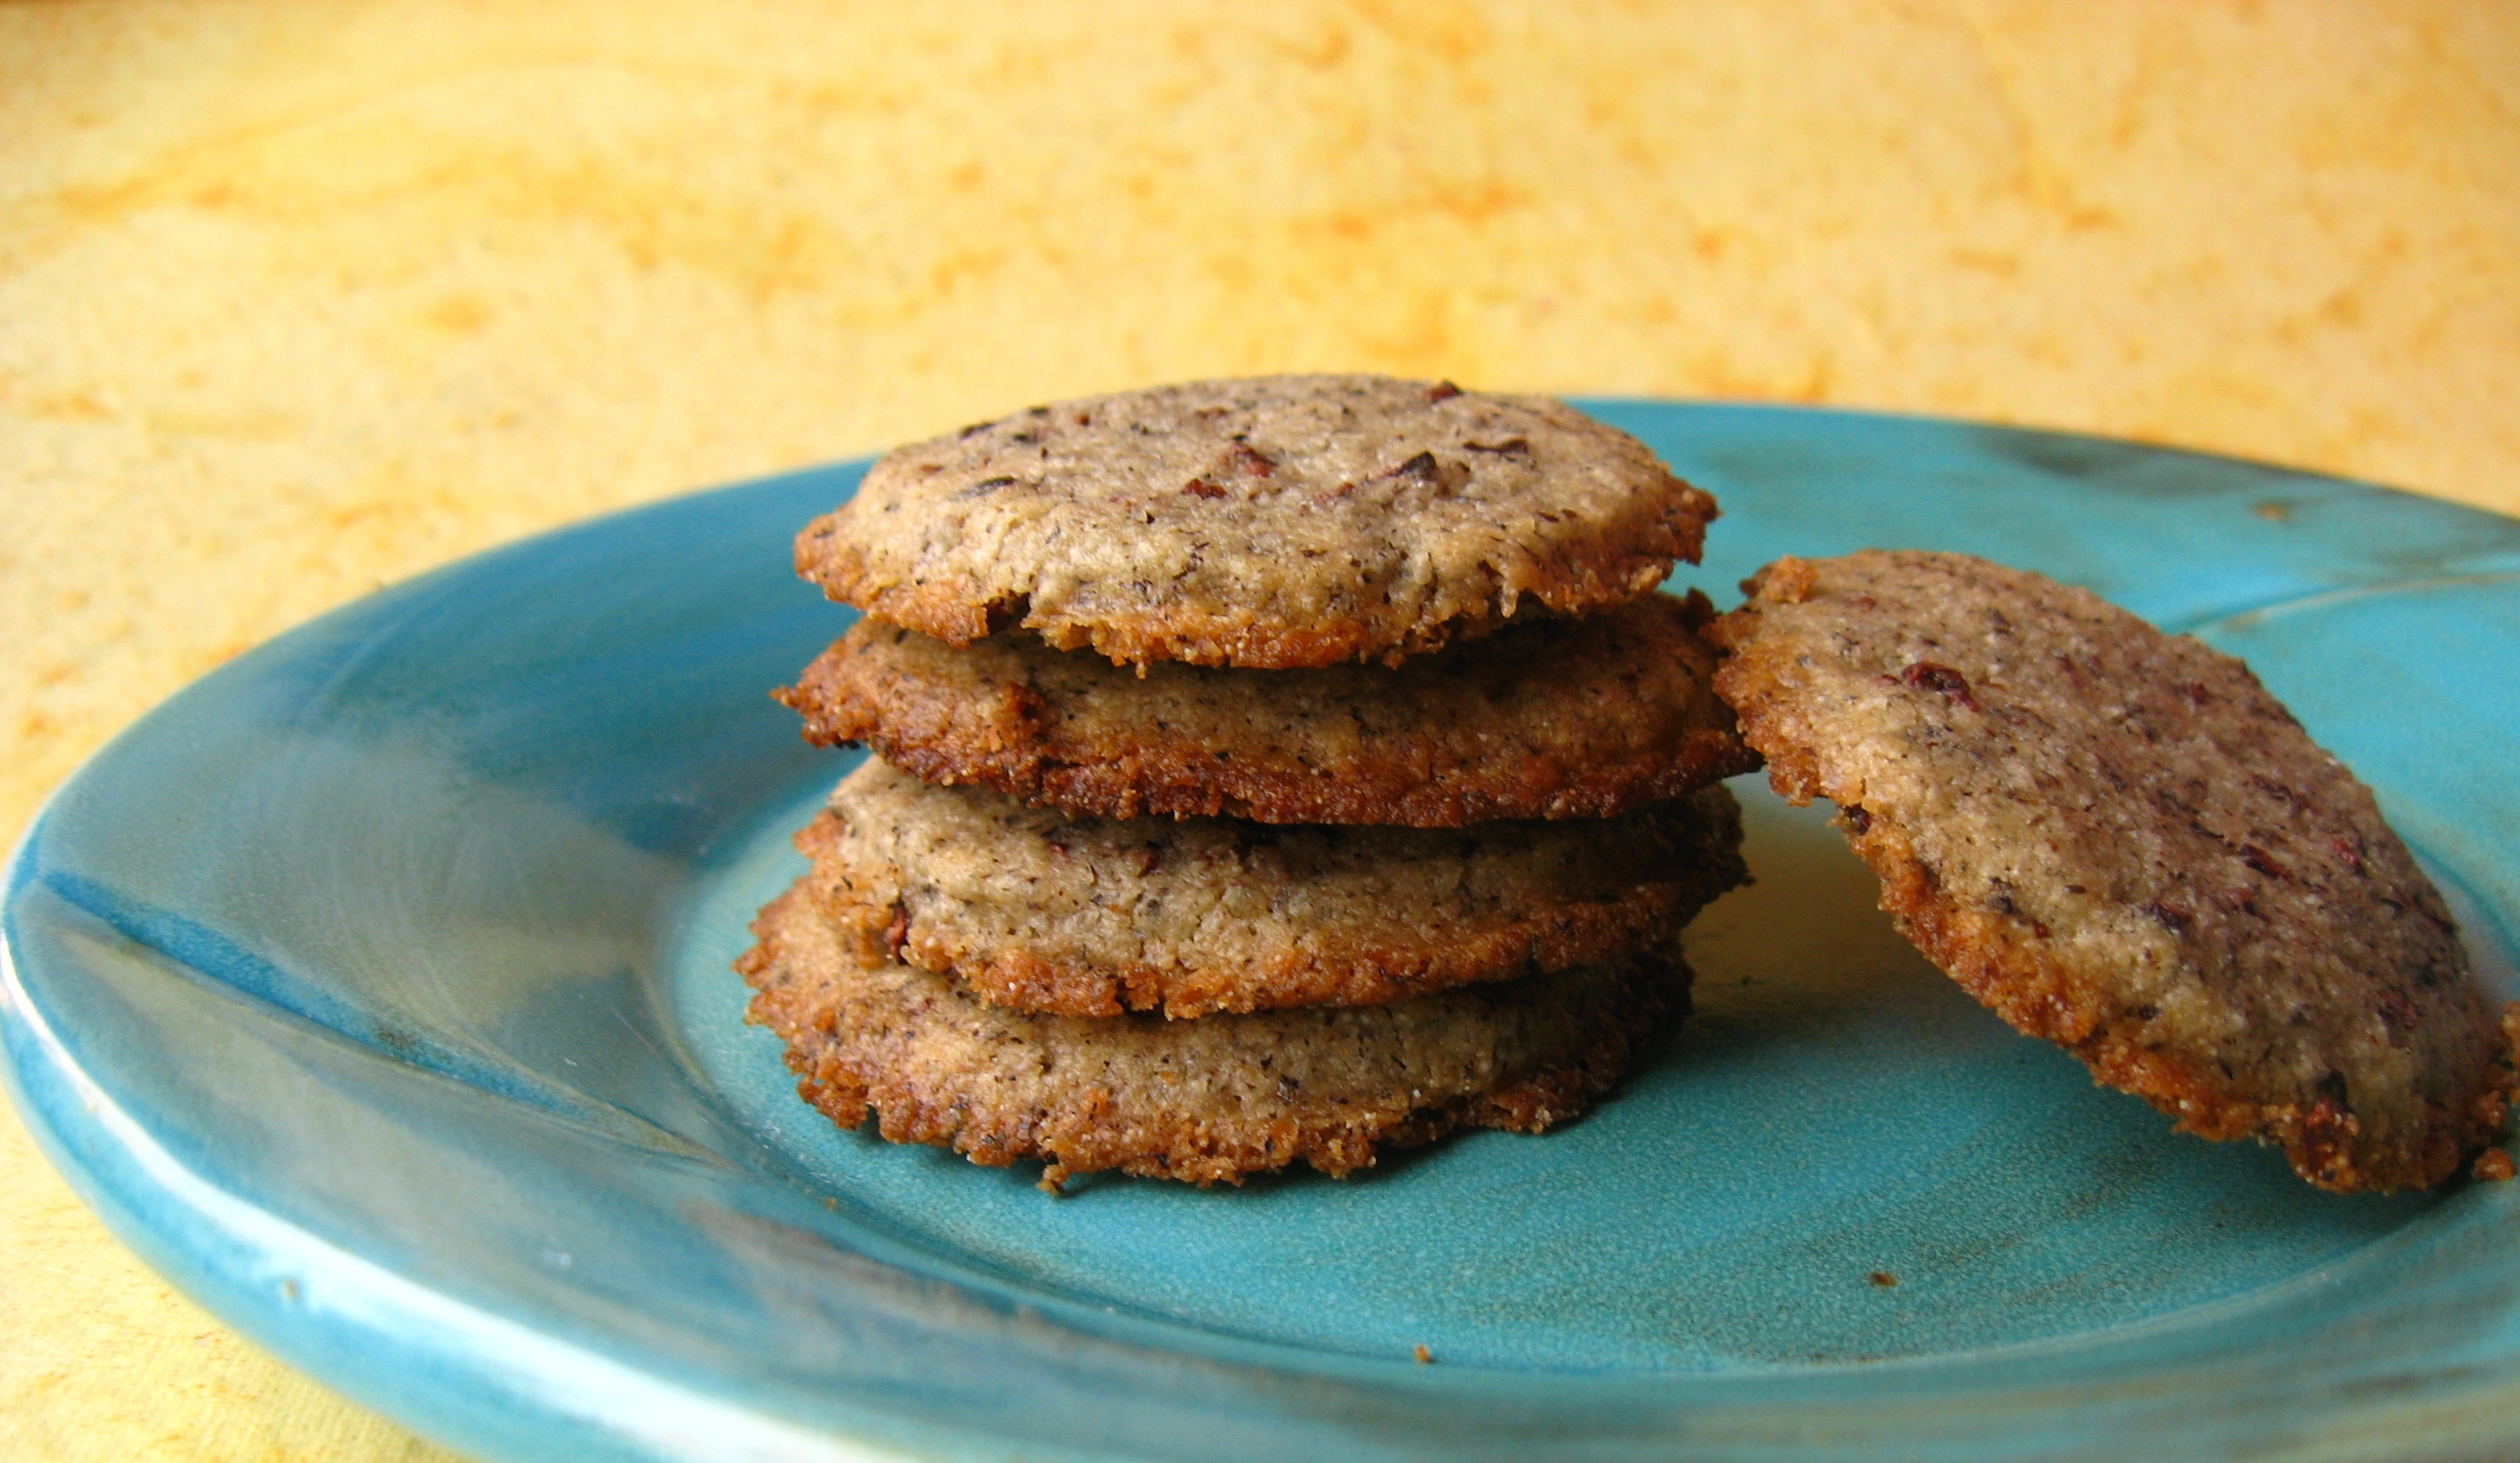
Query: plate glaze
point(376, 990)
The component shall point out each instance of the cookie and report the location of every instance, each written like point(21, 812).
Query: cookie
point(1558, 719)
point(1089, 917)
point(1203, 1101)
point(2119, 841)
point(1273, 522)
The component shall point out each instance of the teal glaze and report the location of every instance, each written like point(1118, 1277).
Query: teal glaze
point(376, 990)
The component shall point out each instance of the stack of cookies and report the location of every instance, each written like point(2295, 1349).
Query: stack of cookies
point(1270, 769)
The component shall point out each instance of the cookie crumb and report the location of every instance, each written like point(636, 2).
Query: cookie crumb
point(2493, 1166)
point(1426, 1357)
point(1884, 1278)
point(1787, 581)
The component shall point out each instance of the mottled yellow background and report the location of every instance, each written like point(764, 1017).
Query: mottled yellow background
point(299, 298)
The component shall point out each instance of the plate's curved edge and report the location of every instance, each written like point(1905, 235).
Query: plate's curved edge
point(468, 1375)
point(2301, 532)
point(2250, 617)
point(2263, 468)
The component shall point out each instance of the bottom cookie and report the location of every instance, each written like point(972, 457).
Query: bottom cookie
point(1202, 1102)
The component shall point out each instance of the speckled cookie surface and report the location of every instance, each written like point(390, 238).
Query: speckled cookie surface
point(1275, 521)
point(1558, 719)
point(1202, 1102)
point(2119, 841)
point(1093, 918)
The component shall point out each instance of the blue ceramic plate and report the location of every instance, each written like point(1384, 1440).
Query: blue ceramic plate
point(376, 990)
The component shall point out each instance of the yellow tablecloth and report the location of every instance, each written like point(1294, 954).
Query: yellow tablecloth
point(296, 300)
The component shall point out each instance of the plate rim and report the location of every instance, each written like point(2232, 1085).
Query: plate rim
point(25, 1020)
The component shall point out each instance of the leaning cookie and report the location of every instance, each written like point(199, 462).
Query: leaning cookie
point(1202, 1102)
point(1274, 522)
point(2119, 841)
point(1558, 719)
point(1089, 917)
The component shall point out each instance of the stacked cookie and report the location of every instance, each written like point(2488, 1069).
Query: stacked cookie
point(1272, 769)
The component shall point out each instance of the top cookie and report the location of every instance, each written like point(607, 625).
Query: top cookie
point(2119, 841)
point(1274, 522)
